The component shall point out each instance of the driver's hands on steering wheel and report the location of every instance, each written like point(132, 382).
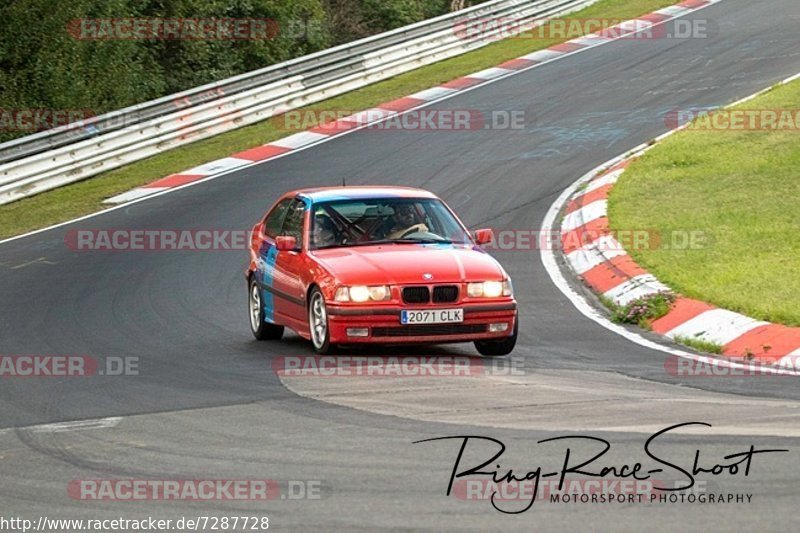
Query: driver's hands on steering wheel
point(416, 228)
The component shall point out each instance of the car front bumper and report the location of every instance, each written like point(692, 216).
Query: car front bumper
point(383, 324)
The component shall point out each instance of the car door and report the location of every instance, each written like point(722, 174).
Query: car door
point(288, 286)
point(268, 254)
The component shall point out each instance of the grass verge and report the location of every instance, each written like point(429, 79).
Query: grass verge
point(699, 345)
point(86, 197)
point(741, 190)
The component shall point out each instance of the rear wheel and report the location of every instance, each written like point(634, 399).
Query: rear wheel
point(500, 347)
point(318, 323)
point(262, 330)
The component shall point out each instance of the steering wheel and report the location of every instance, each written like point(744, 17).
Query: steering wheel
point(414, 229)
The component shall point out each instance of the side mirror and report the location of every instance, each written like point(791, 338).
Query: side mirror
point(484, 236)
point(285, 243)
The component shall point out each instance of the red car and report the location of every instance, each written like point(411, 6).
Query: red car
point(388, 265)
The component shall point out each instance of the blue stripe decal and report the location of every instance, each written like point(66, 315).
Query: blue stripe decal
point(327, 196)
point(268, 280)
point(332, 198)
point(442, 245)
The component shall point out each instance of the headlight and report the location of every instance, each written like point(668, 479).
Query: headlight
point(362, 293)
point(379, 293)
point(489, 289)
point(359, 293)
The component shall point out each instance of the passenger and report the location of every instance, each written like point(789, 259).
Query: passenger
point(325, 233)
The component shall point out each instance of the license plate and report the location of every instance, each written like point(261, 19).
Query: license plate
point(431, 316)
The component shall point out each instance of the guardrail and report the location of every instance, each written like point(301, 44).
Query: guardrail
point(53, 158)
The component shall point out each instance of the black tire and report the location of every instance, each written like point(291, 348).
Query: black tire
point(499, 347)
point(262, 330)
point(318, 326)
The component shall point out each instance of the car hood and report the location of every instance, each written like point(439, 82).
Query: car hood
point(404, 264)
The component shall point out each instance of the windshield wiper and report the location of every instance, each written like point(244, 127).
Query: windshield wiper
point(426, 241)
point(352, 244)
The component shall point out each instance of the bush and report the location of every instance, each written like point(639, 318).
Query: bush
point(42, 66)
point(644, 310)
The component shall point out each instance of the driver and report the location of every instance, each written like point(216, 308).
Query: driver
point(324, 231)
point(404, 220)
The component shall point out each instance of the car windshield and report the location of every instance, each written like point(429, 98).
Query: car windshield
point(384, 221)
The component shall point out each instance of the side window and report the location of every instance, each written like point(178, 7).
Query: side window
point(274, 221)
point(293, 223)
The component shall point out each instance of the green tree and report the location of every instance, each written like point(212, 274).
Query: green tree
point(45, 64)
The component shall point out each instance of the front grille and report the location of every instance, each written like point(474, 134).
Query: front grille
point(422, 330)
point(444, 294)
point(416, 295)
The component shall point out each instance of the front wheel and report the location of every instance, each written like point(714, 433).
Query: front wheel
point(499, 347)
point(262, 330)
point(318, 323)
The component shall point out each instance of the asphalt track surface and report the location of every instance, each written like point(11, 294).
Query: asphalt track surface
point(207, 405)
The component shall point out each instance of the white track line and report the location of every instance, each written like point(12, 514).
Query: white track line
point(63, 427)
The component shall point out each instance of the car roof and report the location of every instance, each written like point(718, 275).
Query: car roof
point(326, 194)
